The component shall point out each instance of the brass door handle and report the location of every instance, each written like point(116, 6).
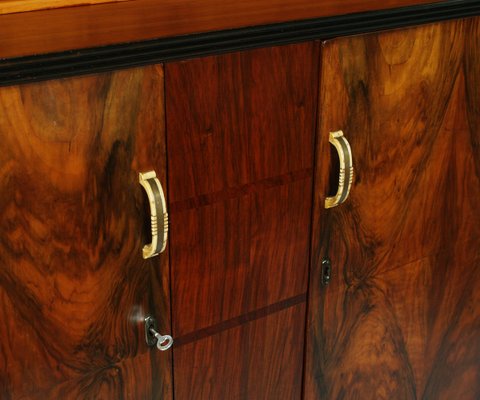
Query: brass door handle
point(158, 214)
point(345, 178)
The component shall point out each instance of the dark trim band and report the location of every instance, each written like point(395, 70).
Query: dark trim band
point(101, 59)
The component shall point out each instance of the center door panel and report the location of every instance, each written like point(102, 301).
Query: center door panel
point(240, 140)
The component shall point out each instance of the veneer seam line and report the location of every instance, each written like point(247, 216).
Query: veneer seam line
point(235, 322)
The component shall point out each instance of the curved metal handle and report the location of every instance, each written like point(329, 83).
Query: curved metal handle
point(158, 213)
point(345, 178)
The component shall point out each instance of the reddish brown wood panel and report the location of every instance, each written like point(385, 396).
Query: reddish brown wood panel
point(400, 319)
point(73, 285)
point(90, 26)
point(234, 256)
point(259, 360)
point(239, 119)
point(240, 133)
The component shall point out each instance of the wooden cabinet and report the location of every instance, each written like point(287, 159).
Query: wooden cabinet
point(239, 142)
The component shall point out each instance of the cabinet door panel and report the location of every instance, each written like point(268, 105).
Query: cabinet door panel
point(240, 134)
point(400, 318)
point(73, 284)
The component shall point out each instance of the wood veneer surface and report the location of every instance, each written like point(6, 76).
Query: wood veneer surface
point(73, 284)
point(79, 27)
point(258, 360)
point(400, 318)
point(240, 157)
point(240, 134)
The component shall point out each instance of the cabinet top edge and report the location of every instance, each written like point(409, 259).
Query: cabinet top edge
point(38, 66)
point(32, 27)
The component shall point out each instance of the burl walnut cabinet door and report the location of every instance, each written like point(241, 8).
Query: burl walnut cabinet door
point(400, 318)
point(74, 287)
point(240, 137)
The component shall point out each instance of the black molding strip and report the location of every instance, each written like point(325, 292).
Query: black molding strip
point(100, 59)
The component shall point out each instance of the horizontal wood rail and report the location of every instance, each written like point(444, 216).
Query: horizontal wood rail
point(85, 26)
point(77, 62)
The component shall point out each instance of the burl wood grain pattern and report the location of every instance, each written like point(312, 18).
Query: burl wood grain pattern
point(74, 287)
point(401, 317)
point(240, 134)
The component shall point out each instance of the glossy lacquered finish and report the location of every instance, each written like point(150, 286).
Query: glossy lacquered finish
point(74, 288)
point(240, 142)
point(386, 283)
point(54, 30)
point(400, 317)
